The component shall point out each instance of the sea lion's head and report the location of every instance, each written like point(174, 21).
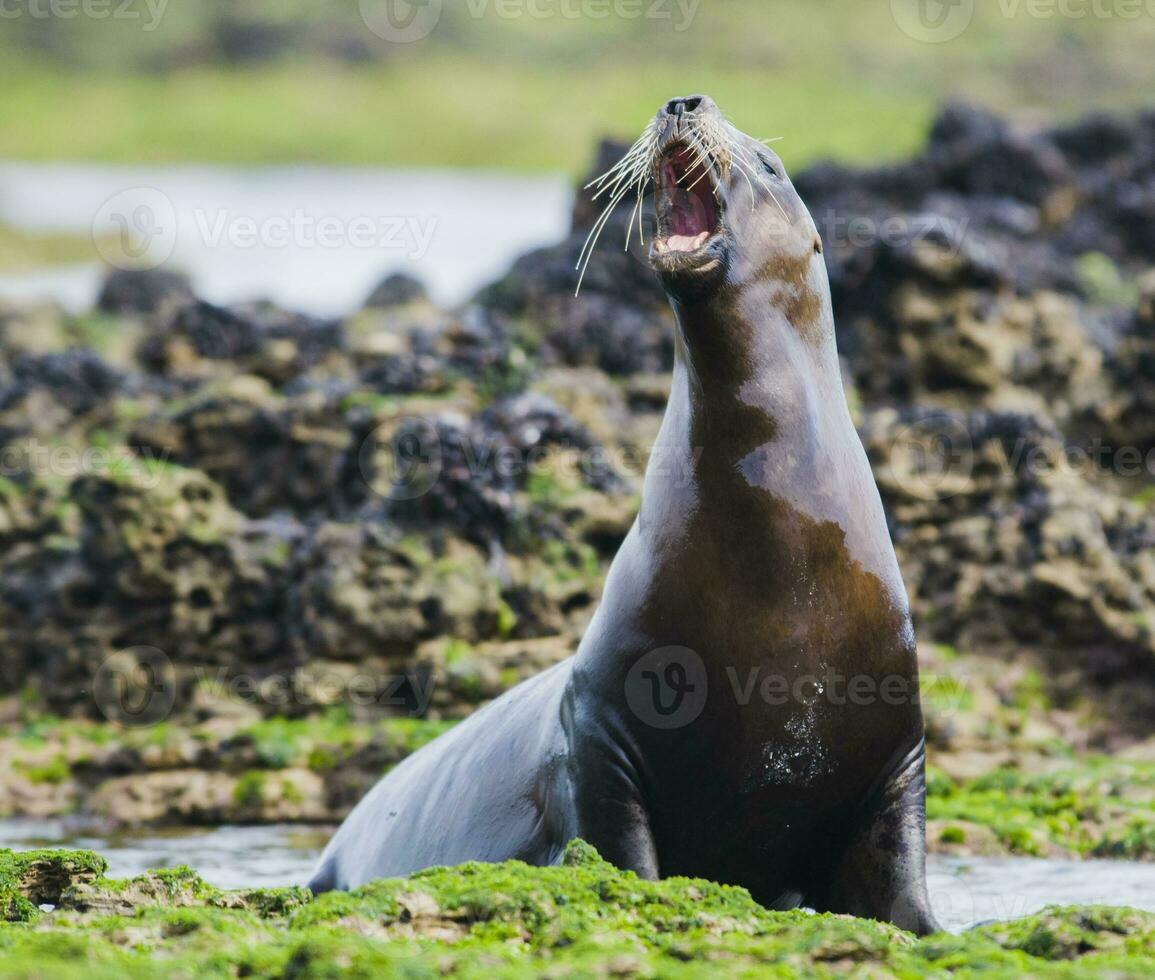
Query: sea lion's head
point(726, 211)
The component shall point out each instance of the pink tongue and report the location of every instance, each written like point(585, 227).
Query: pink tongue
point(686, 243)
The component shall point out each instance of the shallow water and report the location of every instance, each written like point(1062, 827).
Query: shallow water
point(228, 857)
point(964, 891)
point(314, 239)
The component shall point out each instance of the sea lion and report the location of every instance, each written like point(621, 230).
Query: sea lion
point(744, 705)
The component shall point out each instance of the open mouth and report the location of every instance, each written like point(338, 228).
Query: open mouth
point(689, 211)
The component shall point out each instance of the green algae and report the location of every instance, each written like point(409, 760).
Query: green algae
point(1103, 282)
point(583, 918)
point(250, 789)
point(1095, 807)
point(953, 835)
point(52, 773)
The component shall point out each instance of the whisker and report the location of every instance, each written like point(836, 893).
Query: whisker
point(625, 180)
point(642, 149)
point(709, 151)
point(603, 218)
point(639, 172)
point(631, 173)
point(627, 163)
point(625, 171)
point(627, 157)
point(595, 233)
point(615, 199)
point(636, 214)
point(744, 170)
point(703, 159)
point(705, 173)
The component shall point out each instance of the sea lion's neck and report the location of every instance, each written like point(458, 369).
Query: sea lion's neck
point(759, 362)
point(758, 444)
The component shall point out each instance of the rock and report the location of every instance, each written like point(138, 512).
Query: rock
point(198, 330)
point(39, 329)
point(397, 289)
point(581, 917)
point(179, 796)
point(365, 594)
point(595, 401)
point(199, 340)
point(403, 373)
point(613, 336)
point(972, 348)
point(1123, 417)
point(1008, 547)
point(976, 152)
point(468, 676)
point(477, 476)
point(536, 426)
point(271, 452)
point(482, 347)
point(77, 379)
point(40, 877)
point(293, 343)
point(433, 496)
point(143, 292)
point(161, 562)
point(245, 40)
point(962, 837)
point(619, 322)
point(988, 209)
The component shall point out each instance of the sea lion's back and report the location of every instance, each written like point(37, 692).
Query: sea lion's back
point(477, 793)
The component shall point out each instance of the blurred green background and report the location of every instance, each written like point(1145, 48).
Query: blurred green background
point(495, 86)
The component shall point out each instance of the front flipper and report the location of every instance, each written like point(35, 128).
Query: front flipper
point(609, 810)
point(620, 831)
point(882, 875)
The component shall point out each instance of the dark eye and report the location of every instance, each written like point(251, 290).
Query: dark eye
point(770, 168)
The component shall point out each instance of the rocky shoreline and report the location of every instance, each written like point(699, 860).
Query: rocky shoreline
point(249, 559)
point(1008, 775)
point(584, 918)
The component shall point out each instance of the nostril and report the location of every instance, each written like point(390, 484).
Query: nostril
point(677, 107)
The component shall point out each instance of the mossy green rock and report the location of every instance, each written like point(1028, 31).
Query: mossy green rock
point(582, 919)
point(33, 878)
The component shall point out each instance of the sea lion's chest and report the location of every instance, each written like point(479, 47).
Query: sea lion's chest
point(771, 732)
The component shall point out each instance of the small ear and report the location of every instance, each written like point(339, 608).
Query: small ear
point(817, 245)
